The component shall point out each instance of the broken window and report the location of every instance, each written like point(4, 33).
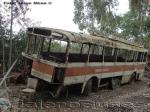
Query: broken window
point(75, 48)
point(96, 50)
point(135, 56)
point(109, 54)
point(53, 49)
point(31, 43)
point(34, 43)
point(96, 53)
point(45, 45)
point(58, 46)
point(145, 57)
point(139, 57)
point(108, 51)
point(78, 52)
point(85, 48)
point(122, 55)
point(130, 56)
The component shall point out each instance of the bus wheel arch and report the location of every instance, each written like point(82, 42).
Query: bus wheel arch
point(90, 85)
point(133, 77)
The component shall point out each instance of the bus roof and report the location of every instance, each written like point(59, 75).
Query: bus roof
point(102, 40)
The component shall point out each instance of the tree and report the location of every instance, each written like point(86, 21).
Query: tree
point(137, 27)
point(96, 15)
point(7, 19)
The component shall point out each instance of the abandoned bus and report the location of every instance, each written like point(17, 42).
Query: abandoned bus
point(61, 58)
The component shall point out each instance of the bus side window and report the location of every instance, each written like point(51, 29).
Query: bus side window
point(96, 50)
point(31, 44)
point(142, 57)
point(78, 52)
point(145, 57)
point(130, 57)
point(58, 46)
point(75, 48)
point(139, 57)
point(45, 45)
point(45, 48)
point(55, 46)
point(116, 50)
point(122, 55)
point(92, 49)
point(135, 56)
point(96, 53)
point(108, 54)
point(85, 49)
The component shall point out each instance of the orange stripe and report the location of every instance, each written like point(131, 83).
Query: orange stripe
point(43, 68)
point(76, 71)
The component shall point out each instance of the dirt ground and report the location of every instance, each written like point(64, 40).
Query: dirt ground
point(128, 98)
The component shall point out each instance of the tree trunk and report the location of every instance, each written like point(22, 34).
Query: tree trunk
point(11, 30)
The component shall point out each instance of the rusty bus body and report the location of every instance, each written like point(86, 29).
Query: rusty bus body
point(62, 58)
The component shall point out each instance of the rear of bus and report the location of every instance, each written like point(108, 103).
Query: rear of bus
point(44, 55)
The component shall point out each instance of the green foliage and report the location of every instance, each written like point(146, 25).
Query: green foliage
point(55, 46)
point(96, 15)
point(18, 13)
point(136, 28)
point(19, 18)
point(130, 25)
point(75, 48)
point(20, 42)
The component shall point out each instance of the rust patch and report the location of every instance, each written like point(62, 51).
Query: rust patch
point(43, 68)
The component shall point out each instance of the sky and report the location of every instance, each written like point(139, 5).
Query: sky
point(57, 15)
point(60, 13)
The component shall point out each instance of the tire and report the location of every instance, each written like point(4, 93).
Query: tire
point(88, 88)
point(115, 83)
